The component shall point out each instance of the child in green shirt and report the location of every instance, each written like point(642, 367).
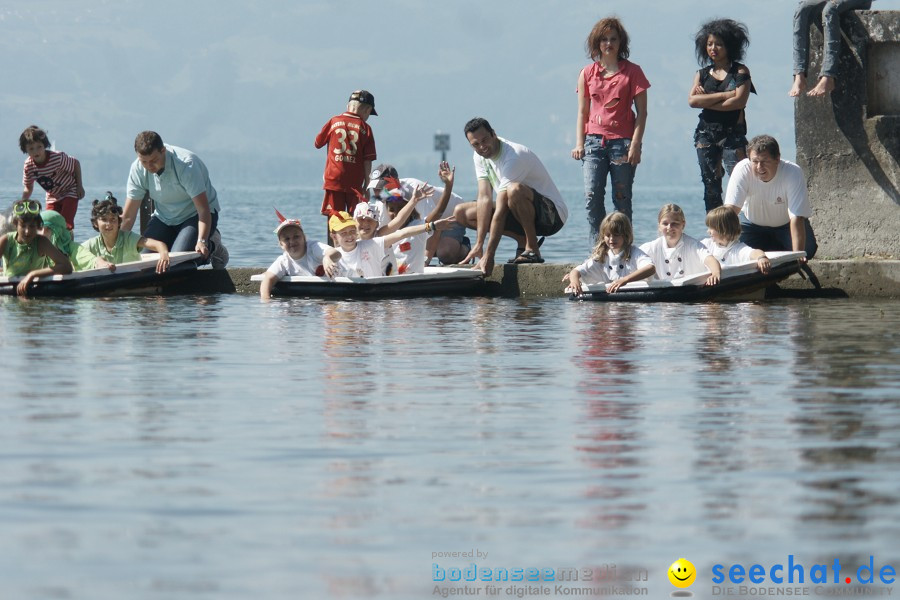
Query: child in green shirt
point(24, 251)
point(114, 246)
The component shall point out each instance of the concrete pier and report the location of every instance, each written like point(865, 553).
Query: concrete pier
point(848, 144)
point(853, 278)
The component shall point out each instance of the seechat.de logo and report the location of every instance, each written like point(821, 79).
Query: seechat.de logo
point(797, 572)
point(682, 573)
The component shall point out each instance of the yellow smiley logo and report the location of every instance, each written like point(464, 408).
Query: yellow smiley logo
point(682, 573)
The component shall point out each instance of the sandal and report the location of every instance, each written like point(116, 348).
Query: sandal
point(520, 250)
point(528, 258)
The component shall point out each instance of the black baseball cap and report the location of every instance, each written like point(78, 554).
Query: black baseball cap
point(366, 98)
point(376, 177)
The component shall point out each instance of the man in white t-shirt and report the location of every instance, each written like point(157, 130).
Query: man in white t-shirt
point(528, 203)
point(769, 194)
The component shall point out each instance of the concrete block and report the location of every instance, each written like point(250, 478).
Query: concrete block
point(849, 143)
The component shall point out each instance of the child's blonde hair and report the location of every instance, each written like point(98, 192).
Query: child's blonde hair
point(671, 209)
point(615, 223)
point(724, 221)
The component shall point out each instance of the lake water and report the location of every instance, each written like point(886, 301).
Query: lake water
point(221, 447)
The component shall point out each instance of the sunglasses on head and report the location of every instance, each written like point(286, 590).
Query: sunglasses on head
point(23, 207)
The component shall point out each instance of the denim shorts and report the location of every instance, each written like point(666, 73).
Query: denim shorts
point(457, 232)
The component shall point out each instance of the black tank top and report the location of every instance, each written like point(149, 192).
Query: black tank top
point(732, 81)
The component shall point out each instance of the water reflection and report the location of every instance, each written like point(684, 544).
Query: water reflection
point(847, 416)
point(607, 341)
point(332, 446)
point(717, 344)
point(609, 432)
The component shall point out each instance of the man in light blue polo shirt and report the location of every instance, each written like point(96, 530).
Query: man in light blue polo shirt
point(185, 204)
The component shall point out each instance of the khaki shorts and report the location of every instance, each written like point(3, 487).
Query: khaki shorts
point(546, 217)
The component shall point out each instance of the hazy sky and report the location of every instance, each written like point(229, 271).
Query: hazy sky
point(248, 85)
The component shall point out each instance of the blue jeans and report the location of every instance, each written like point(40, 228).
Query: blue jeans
point(831, 30)
point(602, 157)
point(181, 237)
point(776, 239)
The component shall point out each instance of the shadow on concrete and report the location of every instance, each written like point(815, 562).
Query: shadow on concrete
point(850, 113)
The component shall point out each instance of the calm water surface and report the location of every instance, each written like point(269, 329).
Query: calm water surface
point(220, 447)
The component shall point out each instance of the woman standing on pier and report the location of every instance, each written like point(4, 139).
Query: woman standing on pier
point(721, 88)
point(608, 133)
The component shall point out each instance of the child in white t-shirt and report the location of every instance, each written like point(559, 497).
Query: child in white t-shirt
point(363, 258)
point(368, 218)
point(300, 257)
point(724, 229)
point(399, 213)
point(410, 250)
point(615, 260)
point(676, 254)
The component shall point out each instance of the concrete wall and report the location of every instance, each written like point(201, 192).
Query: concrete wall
point(849, 144)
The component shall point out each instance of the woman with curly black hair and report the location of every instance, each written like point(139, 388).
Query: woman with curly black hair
point(721, 88)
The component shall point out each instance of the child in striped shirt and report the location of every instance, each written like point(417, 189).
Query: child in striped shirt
point(57, 172)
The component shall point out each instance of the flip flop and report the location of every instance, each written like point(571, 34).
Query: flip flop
point(520, 250)
point(528, 258)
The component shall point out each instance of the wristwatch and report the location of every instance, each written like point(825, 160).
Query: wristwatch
point(202, 242)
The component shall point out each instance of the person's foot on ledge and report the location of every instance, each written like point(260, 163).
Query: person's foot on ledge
point(823, 88)
point(799, 85)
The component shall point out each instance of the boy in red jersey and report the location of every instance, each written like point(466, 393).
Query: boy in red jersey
point(57, 172)
point(351, 150)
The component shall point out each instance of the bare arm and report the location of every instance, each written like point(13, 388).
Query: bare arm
point(762, 261)
point(79, 185)
point(330, 262)
point(440, 225)
point(798, 233)
point(483, 211)
point(266, 285)
point(27, 185)
point(712, 101)
point(129, 213)
point(498, 224)
point(634, 150)
point(446, 173)
point(715, 270)
point(735, 99)
point(204, 223)
point(729, 100)
point(697, 95)
point(160, 248)
point(581, 118)
point(404, 213)
point(642, 273)
point(574, 279)
point(61, 265)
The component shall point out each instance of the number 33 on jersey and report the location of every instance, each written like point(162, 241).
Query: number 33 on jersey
point(350, 144)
